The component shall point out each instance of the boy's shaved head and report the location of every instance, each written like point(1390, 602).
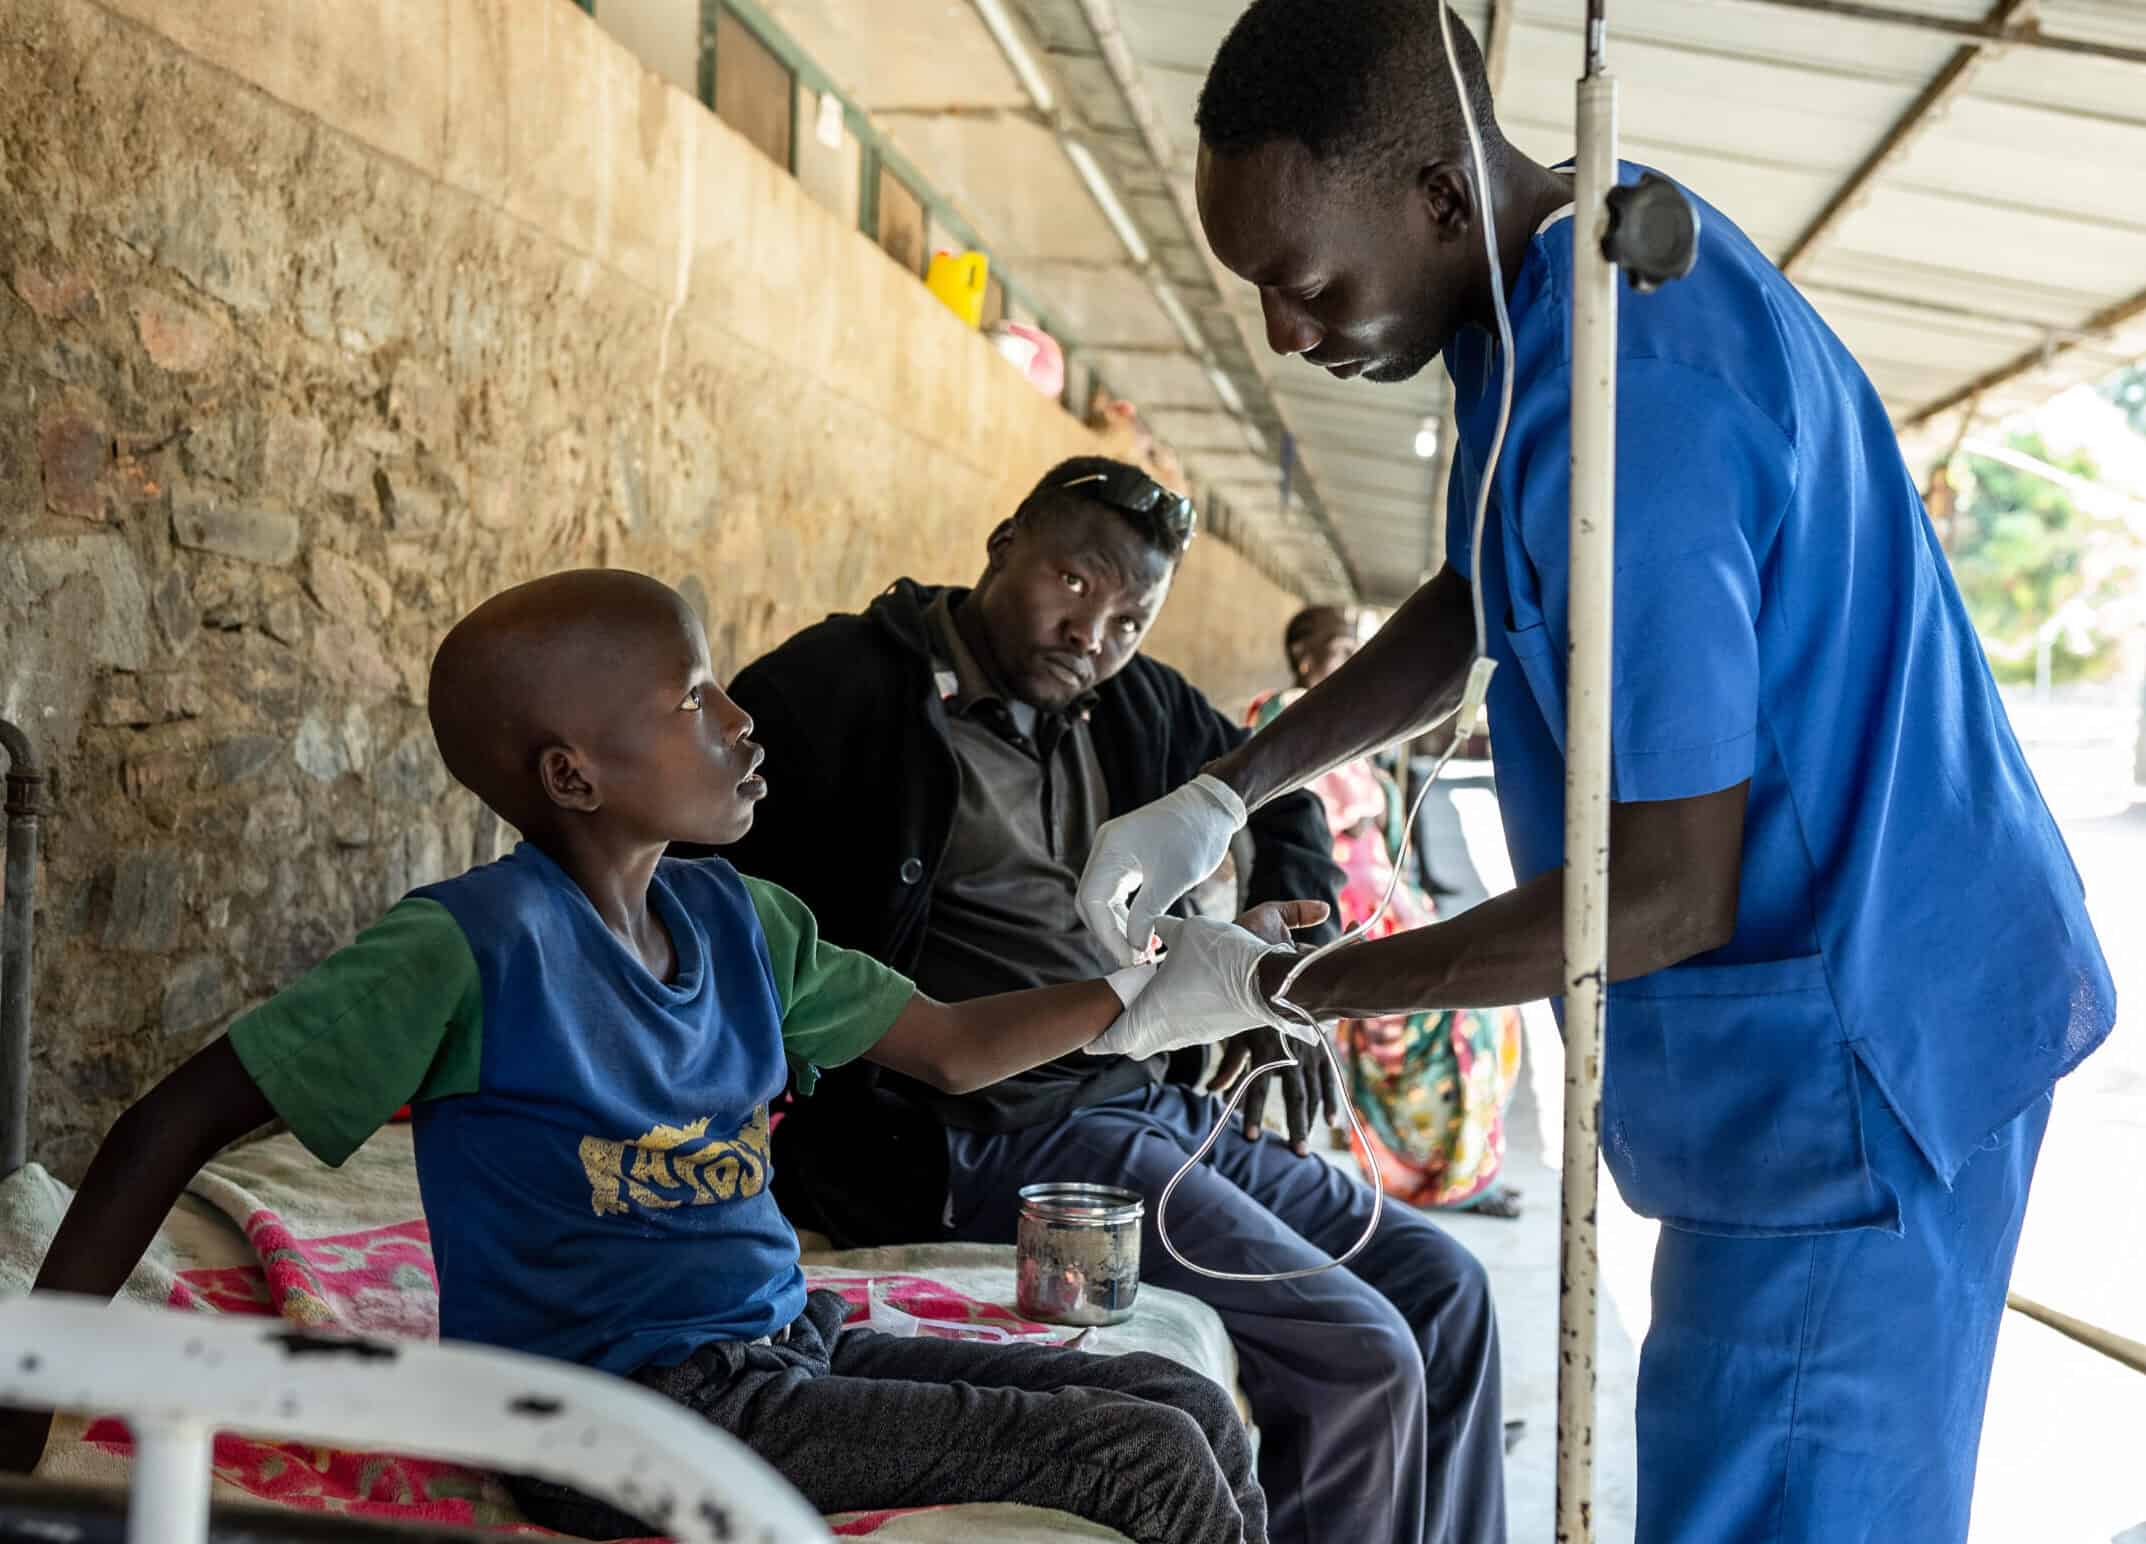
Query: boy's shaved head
point(584, 665)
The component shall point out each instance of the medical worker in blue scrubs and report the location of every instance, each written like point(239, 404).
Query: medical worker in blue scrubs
point(1850, 955)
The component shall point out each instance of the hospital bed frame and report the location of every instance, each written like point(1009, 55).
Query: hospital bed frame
point(177, 1379)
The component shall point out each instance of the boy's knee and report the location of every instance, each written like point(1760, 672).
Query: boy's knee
point(1210, 1404)
point(1212, 1413)
point(1188, 1492)
point(1200, 1397)
point(1172, 1383)
point(1172, 1438)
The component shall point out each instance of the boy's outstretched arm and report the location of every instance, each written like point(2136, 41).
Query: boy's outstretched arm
point(335, 1053)
point(139, 1172)
point(960, 1047)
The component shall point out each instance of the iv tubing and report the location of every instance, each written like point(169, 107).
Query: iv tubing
point(1478, 686)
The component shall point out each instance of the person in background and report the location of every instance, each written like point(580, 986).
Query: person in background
point(1431, 1087)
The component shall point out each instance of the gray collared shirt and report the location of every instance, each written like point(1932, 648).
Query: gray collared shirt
point(1002, 907)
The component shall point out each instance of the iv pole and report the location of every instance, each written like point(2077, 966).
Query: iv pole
point(1648, 231)
point(1587, 779)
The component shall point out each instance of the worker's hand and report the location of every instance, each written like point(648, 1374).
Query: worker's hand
point(22, 1439)
point(1307, 1084)
point(1205, 989)
point(1140, 863)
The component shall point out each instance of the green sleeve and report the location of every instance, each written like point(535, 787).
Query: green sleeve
point(393, 1019)
point(836, 1003)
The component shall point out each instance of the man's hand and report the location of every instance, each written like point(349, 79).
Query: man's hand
point(1307, 1090)
point(1140, 863)
point(1205, 989)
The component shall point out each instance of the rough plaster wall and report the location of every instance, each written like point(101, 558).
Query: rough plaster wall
point(320, 323)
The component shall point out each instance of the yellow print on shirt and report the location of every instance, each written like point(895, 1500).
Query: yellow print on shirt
point(657, 1171)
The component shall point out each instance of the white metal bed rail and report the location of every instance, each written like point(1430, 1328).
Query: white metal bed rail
point(176, 1379)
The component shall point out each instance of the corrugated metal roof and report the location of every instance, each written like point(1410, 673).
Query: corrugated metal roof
point(1995, 249)
point(2004, 228)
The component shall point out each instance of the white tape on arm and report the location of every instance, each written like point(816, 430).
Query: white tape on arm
point(1130, 982)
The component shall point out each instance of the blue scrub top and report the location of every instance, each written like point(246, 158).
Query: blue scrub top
point(1783, 615)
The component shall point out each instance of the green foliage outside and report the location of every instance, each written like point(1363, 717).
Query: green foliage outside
point(2026, 553)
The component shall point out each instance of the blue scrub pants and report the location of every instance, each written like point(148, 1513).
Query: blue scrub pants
point(1375, 1387)
point(1828, 1388)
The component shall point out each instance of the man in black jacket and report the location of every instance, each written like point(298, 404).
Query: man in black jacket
point(942, 762)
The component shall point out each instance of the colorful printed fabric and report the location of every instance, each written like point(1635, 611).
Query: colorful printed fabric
point(345, 1252)
point(1431, 1087)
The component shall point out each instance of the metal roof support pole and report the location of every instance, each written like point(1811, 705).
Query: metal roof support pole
point(2027, 36)
point(1587, 778)
point(1940, 494)
point(2138, 758)
point(25, 801)
point(1498, 41)
point(1950, 82)
point(2108, 320)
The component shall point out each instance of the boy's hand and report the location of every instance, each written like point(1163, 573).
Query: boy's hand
point(1205, 989)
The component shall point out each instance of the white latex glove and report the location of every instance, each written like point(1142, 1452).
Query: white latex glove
point(1205, 990)
point(1161, 850)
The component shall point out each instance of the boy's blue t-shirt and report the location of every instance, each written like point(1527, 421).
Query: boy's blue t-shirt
point(592, 1143)
point(1783, 615)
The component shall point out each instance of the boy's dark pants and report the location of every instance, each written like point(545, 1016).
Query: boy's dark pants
point(859, 1421)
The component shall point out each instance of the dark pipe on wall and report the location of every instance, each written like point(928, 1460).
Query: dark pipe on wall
point(25, 800)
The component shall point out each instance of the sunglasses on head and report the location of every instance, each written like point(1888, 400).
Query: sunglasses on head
point(1131, 491)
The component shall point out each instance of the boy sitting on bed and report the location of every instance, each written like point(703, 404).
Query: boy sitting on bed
point(591, 1033)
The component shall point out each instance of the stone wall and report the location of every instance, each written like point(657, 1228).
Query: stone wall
point(318, 323)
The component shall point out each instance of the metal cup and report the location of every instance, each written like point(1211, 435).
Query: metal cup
point(1078, 1253)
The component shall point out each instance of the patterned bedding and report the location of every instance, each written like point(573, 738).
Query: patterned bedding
point(268, 1230)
